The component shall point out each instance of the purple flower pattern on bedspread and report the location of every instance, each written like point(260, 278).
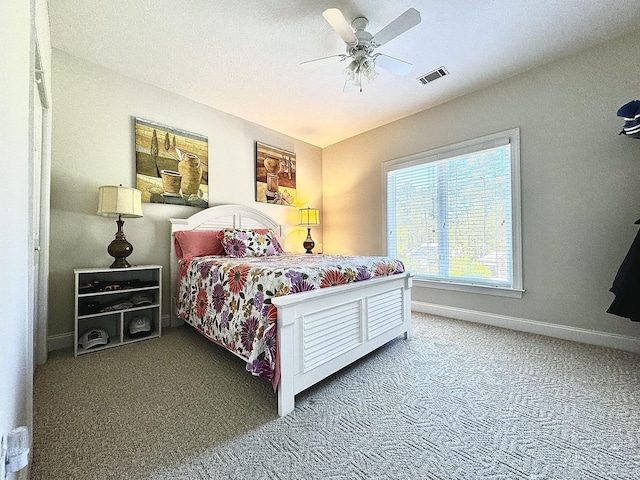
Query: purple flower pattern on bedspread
point(229, 299)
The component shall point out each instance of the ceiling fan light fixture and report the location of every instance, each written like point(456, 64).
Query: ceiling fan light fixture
point(361, 66)
point(369, 69)
point(361, 44)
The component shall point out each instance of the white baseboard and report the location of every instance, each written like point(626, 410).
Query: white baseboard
point(65, 340)
point(582, 335)
point(59, 341)
point(175, 321)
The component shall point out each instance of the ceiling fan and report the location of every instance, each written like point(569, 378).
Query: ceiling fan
point(361, 45)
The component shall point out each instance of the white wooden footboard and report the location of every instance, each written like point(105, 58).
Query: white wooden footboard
point(322, 331)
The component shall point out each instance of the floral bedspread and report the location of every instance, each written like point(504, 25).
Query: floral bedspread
point(229, 299)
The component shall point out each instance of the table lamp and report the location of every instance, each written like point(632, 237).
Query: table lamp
point(308, 217)
point(121, 202)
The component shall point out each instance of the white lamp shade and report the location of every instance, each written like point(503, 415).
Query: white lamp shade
point(309, 216)
point(120, 200)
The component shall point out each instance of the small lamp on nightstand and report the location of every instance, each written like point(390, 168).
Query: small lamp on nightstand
point(121, 202)
point(309, 217)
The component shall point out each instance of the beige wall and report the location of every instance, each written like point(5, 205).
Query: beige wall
point(580, 182)
point(580, 192)
point(93, 145)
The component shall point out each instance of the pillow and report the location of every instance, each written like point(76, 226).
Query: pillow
point(191, 244)
point(250, 243)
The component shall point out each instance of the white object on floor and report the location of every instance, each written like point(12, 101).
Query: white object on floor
point(17, 449)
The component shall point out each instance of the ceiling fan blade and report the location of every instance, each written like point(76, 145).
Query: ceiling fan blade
point(404, 22)
point(321, 62)
point(399, 67)
point(337, 21)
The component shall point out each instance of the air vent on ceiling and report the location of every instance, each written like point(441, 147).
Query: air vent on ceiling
point(431, 76)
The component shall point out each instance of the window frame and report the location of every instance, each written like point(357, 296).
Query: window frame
point(454, 150)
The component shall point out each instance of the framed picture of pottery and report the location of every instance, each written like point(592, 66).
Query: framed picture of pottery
point(275, 175)
point(172, 165)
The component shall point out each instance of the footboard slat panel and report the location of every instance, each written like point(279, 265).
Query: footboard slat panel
point(323, 340)
point(385, 312)
point(320, 342)
point(329, 319)
point(335, 350)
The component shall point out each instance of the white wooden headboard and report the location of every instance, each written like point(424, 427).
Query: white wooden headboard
point(217, 218)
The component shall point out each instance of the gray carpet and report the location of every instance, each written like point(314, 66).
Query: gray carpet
point(456, 401)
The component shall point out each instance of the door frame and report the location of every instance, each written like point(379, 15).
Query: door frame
point(40, 185)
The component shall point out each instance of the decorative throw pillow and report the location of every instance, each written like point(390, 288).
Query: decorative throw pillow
point(250, 243)
point(191, 244)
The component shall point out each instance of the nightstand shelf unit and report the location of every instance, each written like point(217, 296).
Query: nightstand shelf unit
point(111, 298)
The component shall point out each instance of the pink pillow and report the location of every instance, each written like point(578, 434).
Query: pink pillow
point(191, 244)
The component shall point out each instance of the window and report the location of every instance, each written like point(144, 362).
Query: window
point(453, 215)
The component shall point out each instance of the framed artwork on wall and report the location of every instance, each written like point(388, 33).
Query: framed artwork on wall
point(172, 165)
point(275, 175)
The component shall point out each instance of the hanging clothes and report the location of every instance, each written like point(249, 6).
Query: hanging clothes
point(626, 285)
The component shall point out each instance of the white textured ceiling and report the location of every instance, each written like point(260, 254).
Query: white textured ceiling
point(243, 57)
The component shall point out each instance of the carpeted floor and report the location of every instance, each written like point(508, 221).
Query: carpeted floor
point(456, 401)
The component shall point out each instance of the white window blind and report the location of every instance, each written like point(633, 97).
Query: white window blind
point(450, 214)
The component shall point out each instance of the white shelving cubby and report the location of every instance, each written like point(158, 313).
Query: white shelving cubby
point(104, 299)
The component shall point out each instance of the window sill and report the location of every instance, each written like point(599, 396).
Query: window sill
point(469, 288)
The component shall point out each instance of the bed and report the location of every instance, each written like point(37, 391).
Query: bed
point(316, 331)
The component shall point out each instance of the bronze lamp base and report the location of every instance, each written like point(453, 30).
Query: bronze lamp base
point(119, 248)
point(308, 244)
